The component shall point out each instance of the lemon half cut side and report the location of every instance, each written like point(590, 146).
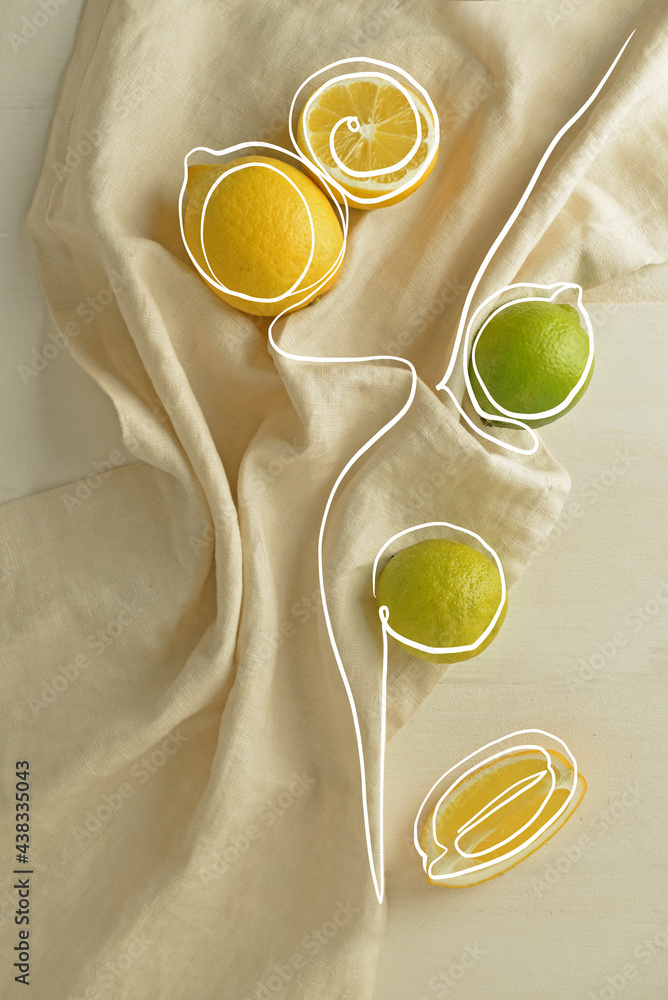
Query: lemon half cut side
point(375, 129)
point(499, 814)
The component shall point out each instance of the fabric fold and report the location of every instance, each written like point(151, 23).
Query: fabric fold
point(199, 828)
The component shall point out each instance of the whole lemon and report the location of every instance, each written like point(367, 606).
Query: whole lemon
point(441, 593)
point(257, 233)
point(530, 356)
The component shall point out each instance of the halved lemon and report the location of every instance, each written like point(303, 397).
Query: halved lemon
point(488, 821)
point(386, 133)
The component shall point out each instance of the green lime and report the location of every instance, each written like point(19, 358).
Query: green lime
point(441, 593)
point(530, 356)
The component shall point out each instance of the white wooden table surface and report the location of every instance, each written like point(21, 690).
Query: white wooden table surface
point(583, 653)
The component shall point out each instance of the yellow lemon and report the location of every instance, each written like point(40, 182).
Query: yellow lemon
point(257, 233)
point(441, 593)
point(496, 810)
point(386, 133)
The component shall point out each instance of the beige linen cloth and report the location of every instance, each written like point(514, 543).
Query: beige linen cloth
point(197, 829)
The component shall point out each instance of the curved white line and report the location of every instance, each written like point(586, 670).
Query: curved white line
point(342, 211)
point(418, 87)
point(329, 184)
point(225, 176)
point(445, 649)
point(212, 280)
point(563, 405)
point(428, 867)
point(512, 418)
point(518, 208)
point(353, 123)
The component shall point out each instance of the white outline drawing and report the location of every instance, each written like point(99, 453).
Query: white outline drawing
point(211, 278)
point(511, 417)
point(226, 176)
point(343, 210)
point(483, 267)
point(354, 125)
point(443, 649)
point(501, 799)
point(506, 305)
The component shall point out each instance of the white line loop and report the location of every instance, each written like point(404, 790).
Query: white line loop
point(488, 548)
point(367, 174)
point(331, 185)
point(497, 802)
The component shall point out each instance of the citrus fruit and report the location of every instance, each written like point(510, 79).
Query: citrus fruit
point(441, 593)
point(386, 132)
point(495, 810)
point(257, 233)
point(530, 356)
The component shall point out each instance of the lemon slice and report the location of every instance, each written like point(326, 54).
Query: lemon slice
point(385, 135)
point(500, 814)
